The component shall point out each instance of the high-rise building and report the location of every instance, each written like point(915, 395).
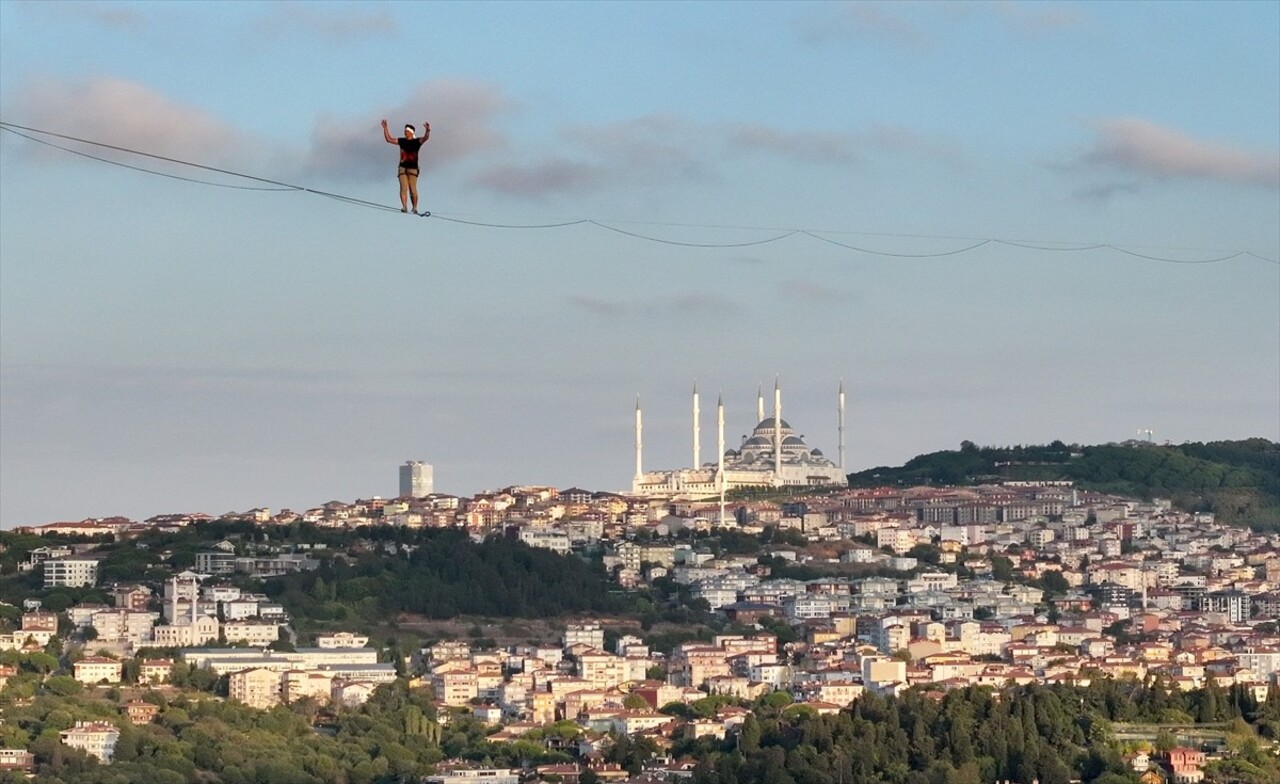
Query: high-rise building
point(416, 479)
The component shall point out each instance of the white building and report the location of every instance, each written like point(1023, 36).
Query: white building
point(256, 633)
point(552, 539)
point(224, 660)
point(95, 738)
point(71, 572)
point(584, 634)
point(342, 640)
point(129, 626)
point(417, 479)
point(475, 776)
point(257, 688)
point(97, 669)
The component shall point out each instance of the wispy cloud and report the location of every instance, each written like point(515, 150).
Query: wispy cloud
point(347, 23)
point(1031, 18)
point(664, 145)
point(810, 293)
point(469, 121)
point(1143, 148)
point(654, 149)
point(541, 178)
point(836, 147)
point(103, 13)
point(853, 20)
point(904, 140)
point(1104, 192)
point(921, 25)
point(809, 146)
point(128, 114)
point(693, 303)
point(664, 149)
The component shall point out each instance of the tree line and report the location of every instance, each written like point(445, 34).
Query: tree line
point(1239, 481)
point(1054, 733)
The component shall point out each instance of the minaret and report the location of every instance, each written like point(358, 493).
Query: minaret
point(697, 448)
point(777, 432)
point(639, 445)
point(720, 451)
point(760, 404)
point(840, 406)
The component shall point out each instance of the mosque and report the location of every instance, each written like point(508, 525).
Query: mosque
point(774, 455)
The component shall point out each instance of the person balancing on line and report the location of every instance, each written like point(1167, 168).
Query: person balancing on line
point(408, 169)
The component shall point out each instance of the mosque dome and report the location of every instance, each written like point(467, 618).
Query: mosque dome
point(768, 424)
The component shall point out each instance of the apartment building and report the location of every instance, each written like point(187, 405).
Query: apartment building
point(71, 572)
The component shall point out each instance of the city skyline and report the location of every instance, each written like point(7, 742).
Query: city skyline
point(987, 218)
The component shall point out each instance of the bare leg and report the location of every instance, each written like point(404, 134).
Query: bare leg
point(413, 191)
point(404, 193)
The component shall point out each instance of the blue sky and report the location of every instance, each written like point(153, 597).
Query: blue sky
point(170, 346)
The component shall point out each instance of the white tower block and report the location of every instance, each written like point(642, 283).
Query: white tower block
point(639, 443)
point(697, 447)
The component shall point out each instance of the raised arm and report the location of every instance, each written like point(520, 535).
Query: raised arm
point(387, 134)
point(426, 130)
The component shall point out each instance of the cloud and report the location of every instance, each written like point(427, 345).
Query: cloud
point(39, 384)
point(661, 149)
point(652, 149)
point(1031, 18)
point(115, 16)
point(552, 175)
point(697, 302)
point(464, 116)
point(469, 121)
point(129, 114)
point(808, 146)
point(1106, 191)
point(850, 20)
point(834, 147)
point(1140, 147)
point(132, 115)
point(350, 23)
point(808, 292)
point(920, 25)
point(900, 139)
point(662, 145)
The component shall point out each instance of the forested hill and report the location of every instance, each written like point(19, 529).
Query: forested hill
point(1237, 480)
point(448, 574)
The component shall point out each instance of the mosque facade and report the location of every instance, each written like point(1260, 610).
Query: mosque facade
point(774, 455)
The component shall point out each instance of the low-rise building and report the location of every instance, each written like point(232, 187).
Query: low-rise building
point(97, 669)
point(95, 738)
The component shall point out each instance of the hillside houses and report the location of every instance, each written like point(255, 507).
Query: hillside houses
point(825, 598)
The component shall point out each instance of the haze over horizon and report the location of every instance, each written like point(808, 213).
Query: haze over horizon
point(166, 346)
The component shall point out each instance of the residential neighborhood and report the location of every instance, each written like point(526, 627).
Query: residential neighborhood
point(823, 598)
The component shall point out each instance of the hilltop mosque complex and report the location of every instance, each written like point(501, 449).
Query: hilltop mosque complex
point(774, 455)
